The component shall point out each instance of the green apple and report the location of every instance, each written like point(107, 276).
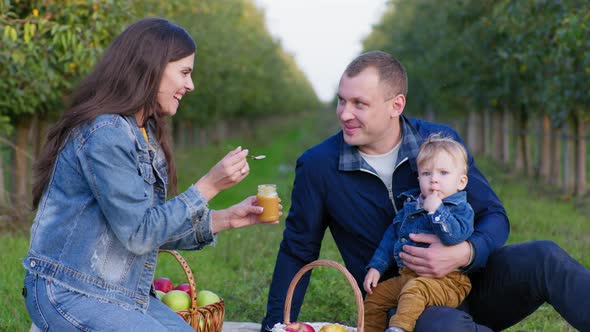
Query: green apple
point(205, 297)
point(177, 300)
point(160, 294)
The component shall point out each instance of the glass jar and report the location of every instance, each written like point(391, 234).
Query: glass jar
point(268, 198)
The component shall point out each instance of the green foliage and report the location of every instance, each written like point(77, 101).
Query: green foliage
point(530, 56)
point(47, 46)
point(240, 71)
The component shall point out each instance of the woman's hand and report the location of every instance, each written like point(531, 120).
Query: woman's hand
point(230, 170)
point(240, 215)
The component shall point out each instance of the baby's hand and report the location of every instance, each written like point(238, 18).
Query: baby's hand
point(432, 201)
point(371, 280)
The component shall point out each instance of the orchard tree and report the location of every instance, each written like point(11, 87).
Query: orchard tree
point(570, 59)
point(46, 47)
point(241, 73)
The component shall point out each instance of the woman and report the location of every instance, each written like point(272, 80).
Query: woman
point(101, 185)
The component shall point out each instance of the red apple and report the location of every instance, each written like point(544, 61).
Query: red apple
point(177, 300)
point(299, 327)
point(185, 288)
point(163, 284)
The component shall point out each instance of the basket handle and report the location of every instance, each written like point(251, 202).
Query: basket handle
point(324, 262)
point(187, 271)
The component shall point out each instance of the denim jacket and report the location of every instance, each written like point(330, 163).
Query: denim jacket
point(452, 222)
point(104, 215)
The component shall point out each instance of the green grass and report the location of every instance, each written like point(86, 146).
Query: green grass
point(239, 267)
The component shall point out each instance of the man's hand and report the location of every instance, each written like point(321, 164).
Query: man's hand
point(437, 260)
point(371, 280)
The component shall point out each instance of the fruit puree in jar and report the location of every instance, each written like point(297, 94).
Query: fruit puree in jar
point(268, 198)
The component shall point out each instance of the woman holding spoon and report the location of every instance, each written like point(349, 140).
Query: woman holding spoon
point(101, 187)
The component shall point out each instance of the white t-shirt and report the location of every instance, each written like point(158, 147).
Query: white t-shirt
point(384, 164)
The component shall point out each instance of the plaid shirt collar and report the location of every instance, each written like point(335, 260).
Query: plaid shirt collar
point(351, 160)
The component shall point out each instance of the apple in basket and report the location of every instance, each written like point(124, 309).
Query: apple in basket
point(332, 328)
point(299, 327)
point(177, 300)
point(163, 284)
point(160, 294)
point(185, 288)
point(206, 297)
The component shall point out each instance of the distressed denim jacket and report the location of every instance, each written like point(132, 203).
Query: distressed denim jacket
point(452, 222)
point(104, 215)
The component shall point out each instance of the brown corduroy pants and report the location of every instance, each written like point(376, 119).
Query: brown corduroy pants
point(412, 294)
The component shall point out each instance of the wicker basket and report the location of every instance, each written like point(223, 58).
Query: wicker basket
point(343, 270)
point(203, 319)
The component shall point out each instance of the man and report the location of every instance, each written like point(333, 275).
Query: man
point(351, 183)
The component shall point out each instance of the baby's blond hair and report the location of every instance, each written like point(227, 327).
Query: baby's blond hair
point(436, 143)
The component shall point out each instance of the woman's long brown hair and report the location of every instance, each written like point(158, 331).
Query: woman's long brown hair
point(125, 81)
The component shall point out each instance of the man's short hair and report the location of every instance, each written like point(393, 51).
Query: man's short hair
point(390, 70)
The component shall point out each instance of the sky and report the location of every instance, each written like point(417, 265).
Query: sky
point(323, 35)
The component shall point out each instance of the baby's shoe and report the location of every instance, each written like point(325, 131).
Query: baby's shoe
point(394, 329)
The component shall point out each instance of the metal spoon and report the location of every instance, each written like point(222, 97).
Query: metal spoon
point(258, 157)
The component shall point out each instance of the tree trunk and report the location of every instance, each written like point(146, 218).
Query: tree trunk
point(472, 132)
point(523, 148)
point(497, 136)
point(39, 132)
point(487, 127)
point(580, 157)
point(459, 126)
point(21, 167)
point(545, 149)
point(221, 131)
point(429, 114)
point(479, 139)
point(526, 144)
point(518, 151)
point(555, 171)
point(506, 135)
point(568, 172)
point(191, 134)
point(203, 136)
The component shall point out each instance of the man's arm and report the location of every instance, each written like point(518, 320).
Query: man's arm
point(304, 231)
point(491, 228)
